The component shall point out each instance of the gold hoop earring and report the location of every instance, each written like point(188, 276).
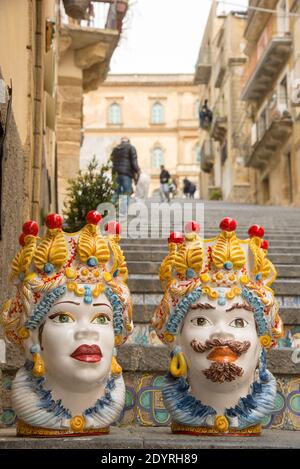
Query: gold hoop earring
point(178, 366)
point(38, 369)
point(116, 369)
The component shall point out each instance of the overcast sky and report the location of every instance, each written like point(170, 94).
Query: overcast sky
point(164, 36)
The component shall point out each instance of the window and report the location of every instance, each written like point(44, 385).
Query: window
point(157, 157)
point(114, 114)
point(198, 153)
point(157, 114)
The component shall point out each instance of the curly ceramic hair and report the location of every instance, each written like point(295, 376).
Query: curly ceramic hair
point(85, 263)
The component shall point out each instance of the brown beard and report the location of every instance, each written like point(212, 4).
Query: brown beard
point(236, 346)
point(221, 372)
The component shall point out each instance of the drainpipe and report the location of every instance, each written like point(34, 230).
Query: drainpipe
point(38, 110)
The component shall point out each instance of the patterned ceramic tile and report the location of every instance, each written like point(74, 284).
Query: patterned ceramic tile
point(143, 335)
point(291, 337)
point(150, 410)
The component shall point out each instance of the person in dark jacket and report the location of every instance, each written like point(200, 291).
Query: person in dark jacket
point(164, 178)
point(125, 166)
point(189, 188)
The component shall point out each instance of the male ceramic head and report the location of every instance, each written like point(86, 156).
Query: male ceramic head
point(218, 315)
point(71, 310)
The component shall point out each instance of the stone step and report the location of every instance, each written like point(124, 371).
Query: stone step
point(158, 256)
point(151, 284)
point(290, 249)
point(140, 267)
point(155, 358)
point(281, 239)
point(143, 313)
point(132, 437)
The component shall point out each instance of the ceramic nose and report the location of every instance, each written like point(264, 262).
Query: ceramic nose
point(87, 333)
point(220, 333)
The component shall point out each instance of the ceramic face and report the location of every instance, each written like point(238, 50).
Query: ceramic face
point(203, 339)
point(77, 341)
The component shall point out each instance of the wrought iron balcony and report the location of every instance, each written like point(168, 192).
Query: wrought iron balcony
point(257, 19)
point(98, 14)
point(218, 129)
point(203, 67)
point(268, 133)
point(219, 70)
point(207, 156)
point(270, 55)
point(92, 39)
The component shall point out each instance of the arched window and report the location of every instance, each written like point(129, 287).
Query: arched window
point(114, 114)
point(157, 157)
point(198, 153)
point(157, 113)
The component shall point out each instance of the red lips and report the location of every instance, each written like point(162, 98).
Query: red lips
point(87, 353)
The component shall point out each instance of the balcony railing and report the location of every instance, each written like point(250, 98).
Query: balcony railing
point(269, 132)
point(219, 69)
point(257, 19)
point(270, 55)
point(203, 66)
point(101, 14)
point(207, 156)
point(218, 129)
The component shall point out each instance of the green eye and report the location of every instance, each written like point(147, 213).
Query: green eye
point(201, 321)
point(62, 318)
point(239, 322)
point(101, 319)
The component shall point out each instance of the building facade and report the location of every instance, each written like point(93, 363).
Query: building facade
point(219, 72)
point(271, 91)
point(28, 70)
point(86, 45)
point(158, 113)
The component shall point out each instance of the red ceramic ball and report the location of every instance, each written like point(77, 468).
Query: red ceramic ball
point(53, 220)
point(228, 224)
point(31, 227)
point(256, 230)
point(176, 237)
point(93, 217)
point(112, 227)
point(22, 239)
point(192, 227)
point(264, 244)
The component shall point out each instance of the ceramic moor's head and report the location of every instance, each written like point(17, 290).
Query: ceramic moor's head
point(218, 315)
point(71, 311)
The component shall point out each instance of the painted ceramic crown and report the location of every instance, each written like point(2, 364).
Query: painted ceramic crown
point(45, 268)
point(221, 269)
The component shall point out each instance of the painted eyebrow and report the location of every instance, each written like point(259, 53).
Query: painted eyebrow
point(202, 306)
point(239, 306)
point(101, 304)
point(62, 302)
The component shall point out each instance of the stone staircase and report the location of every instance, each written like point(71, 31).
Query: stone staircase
point(145, 360)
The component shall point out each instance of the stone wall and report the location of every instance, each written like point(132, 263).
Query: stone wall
point(69, 124)
point(12, 209)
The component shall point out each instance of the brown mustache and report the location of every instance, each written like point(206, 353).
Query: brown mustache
point(235, 345)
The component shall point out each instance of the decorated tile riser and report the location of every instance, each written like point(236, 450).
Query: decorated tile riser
point(144, 404)
point(149, 409)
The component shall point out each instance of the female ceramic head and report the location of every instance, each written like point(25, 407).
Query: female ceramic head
point(71, 311)
point(218, 315)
